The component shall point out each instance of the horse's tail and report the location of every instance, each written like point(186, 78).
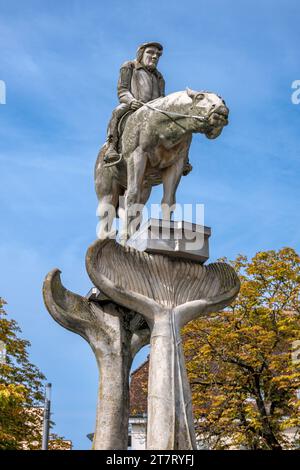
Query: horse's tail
point(107, 165)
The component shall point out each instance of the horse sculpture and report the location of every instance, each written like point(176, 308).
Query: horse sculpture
point(155, 145)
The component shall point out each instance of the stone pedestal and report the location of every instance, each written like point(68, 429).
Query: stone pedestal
point(145, 292)
point(168, 291)
point(179, 239)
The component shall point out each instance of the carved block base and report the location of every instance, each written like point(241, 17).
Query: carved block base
point(178, 239)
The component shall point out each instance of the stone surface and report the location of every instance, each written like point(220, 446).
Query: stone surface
point(168, 293)
point(178, 239)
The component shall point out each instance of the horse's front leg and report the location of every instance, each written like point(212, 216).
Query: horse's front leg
point(106, 212)
point(136, 166)
point(108, 192)
point(171, 178)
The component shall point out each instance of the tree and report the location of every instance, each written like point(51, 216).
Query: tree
point(59, 443)
point(12, 398)
point(240, 361)
point(21, 392)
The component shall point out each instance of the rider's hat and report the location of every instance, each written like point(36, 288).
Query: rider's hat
point(149, 44)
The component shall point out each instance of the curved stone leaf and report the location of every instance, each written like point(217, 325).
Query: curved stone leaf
point(72, 311)
point(148, 283)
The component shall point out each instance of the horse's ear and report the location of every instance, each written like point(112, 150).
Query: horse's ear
point(191, 93)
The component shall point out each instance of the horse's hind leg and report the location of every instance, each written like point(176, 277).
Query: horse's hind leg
point(136, 167)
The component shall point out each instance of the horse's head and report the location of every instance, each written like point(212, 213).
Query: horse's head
point(212, 108)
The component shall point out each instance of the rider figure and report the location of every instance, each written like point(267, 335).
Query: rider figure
point(139, 82)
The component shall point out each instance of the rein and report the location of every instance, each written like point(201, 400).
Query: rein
point(169, 114)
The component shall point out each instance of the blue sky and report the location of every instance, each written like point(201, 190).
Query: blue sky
point(60, 63)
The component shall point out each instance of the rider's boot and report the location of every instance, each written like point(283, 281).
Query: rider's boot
point(111, 154)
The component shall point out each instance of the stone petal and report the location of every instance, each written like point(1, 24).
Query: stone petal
point(146, 282)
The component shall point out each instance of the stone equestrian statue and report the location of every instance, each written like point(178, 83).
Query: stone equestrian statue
point(139, 82)
point(153, 147)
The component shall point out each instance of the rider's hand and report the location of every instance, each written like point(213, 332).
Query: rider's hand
point(135, 104)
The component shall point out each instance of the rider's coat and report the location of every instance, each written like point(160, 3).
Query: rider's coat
point(136, 82)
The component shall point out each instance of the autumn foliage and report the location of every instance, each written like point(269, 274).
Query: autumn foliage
point(21, 389)
point(242, 363)
point(21, 394)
